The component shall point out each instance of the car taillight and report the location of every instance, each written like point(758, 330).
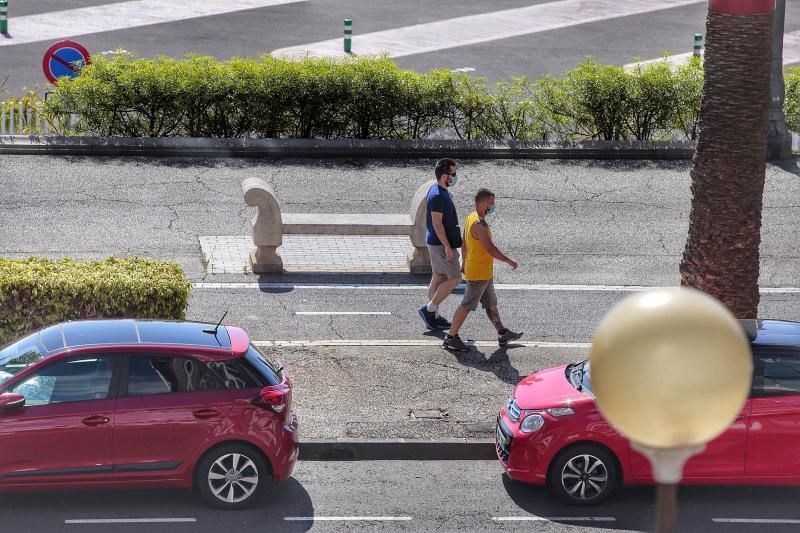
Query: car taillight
point(274, 398)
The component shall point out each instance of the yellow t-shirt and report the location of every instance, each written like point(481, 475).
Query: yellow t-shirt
point(478, 264)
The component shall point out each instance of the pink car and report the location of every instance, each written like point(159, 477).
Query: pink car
point(144, 403)
point(550, 431)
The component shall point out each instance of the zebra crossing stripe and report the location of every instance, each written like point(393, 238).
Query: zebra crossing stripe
point(122, 15)
point(475, 29)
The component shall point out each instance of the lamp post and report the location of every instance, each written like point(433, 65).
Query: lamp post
point(671, 370)
point(779, 140)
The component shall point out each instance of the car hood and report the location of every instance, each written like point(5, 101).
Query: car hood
point(547, 388)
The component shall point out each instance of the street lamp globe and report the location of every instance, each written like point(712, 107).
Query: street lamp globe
point(671, 368)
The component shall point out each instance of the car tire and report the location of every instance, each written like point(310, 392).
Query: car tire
point(231, 476)
point(585, 474)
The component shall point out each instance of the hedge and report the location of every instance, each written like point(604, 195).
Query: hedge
point(372, 98)
point(38, 292)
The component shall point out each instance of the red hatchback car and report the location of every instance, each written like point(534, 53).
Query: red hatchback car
point(550, 431)
point(144, 403)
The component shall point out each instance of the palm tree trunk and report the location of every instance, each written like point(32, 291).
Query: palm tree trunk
point(721, 256)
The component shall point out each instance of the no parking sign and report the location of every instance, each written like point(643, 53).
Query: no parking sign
point(65, 58)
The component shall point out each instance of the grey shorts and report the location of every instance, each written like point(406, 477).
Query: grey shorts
point(479, 291)
point(440, 265)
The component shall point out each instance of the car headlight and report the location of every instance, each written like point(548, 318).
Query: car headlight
point(560, 411)
point(532, 423)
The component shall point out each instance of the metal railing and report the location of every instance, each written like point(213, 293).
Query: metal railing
point(19, 118)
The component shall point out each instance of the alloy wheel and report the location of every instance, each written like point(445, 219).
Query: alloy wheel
point(233, 478)
point(584, 477)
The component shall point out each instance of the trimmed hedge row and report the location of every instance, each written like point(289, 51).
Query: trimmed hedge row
point(37, 292)
point(372, 98)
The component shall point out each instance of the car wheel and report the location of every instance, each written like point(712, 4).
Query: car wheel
point(584, 475)
point(229, 477)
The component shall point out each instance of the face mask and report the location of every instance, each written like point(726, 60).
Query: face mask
point(451, 182)
point(491, 210)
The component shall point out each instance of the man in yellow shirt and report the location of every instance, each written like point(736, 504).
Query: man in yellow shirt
point(479, 253)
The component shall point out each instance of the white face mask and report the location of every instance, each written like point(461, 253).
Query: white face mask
point(452, 179)
point(492, 210)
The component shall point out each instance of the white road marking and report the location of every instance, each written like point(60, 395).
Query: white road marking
point(413, 342)
point(346, 518)
point(342, 313)
point(498, 286)
point(756, 520)
point(554, 518)
point(129, 520)
point(121, 15)
point(463, 69)
point(486, 27)
point(791, 53)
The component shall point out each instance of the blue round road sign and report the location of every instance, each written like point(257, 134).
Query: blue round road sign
point(65, 58)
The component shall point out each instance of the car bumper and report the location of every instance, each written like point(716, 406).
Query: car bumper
point(288, 450)
point(522, 455)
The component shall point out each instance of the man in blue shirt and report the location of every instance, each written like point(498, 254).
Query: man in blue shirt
point(443, 237)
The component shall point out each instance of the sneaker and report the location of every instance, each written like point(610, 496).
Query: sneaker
point(507, 337)
point(428, 317)
point(454, 342)
point(442, 323)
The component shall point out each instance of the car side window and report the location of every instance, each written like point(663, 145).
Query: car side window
point(157, 374)
point(776, 374)
point(68, 380)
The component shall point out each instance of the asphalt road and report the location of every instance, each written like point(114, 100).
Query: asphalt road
point(255, 31)
point(408, 496)
point(565, 222)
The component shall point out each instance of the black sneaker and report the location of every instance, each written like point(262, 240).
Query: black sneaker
point(428, 317)
point(454, 342)
point(442, 323)
point(507, 337)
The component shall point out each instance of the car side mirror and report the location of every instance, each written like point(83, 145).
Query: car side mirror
point(11, 400)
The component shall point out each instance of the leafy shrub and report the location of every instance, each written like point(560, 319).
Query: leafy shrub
point(38, 292)
point(372, 98)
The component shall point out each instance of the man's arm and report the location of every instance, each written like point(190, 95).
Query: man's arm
point(463, 249)
point(480, 232)
point(438, 227)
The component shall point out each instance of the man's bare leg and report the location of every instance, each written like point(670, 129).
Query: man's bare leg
point(494, 318)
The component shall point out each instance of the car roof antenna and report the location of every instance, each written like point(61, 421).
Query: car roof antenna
point(214, 331)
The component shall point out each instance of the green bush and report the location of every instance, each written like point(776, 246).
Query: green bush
point(38, 292)
point(791, 78)
point(372, 98)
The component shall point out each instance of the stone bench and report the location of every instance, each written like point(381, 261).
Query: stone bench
point(269, 226)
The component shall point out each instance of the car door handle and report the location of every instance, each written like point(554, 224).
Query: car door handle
point(96, 420)
point(205, 413)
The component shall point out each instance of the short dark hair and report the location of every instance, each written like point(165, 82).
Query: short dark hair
point(443, 167)
point(483, 194)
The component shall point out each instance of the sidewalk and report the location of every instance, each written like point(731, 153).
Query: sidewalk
point(414, 392)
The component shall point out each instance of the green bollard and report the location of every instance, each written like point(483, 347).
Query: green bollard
point(3, 16)
point(348, 35)
point(698, 44)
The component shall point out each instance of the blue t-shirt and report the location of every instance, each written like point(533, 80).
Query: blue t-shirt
point(440, 200)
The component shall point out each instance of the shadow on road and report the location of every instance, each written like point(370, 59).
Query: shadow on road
point(47, 511)
point(498, 363)
point(633, 508)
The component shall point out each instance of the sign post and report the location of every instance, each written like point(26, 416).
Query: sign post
point(64, 59)
point(3, 16)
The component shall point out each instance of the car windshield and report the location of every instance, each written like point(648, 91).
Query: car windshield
point(579, 376)
point(16, 357)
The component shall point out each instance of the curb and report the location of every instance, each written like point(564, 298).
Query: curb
point(348, 148)
point(398, 449)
